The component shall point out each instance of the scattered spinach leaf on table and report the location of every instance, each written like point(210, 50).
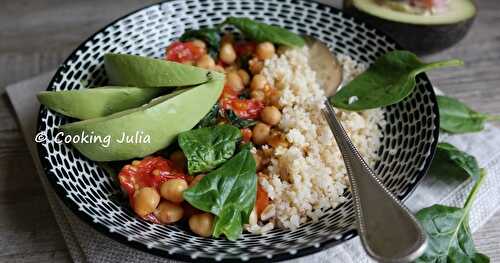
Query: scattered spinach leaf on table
point(449, 160)
point(389, 80)
point(237, 121)
point(207, 148)
point(261, 32)
point(450, 238)
point(210, 36)
point(229, 193)
point(456, 117)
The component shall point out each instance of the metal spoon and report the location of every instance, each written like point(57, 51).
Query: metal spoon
point(388, 230)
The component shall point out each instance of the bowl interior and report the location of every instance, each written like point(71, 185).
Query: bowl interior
point(408, 143)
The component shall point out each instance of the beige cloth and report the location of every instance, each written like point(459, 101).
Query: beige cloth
point(87, 245)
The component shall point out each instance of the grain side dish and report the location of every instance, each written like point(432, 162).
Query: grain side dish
point(232, 132)
point(307, 175)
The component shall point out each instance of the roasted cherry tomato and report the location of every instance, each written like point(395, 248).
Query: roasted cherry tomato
point(244, 108)
point(184, 51)
point(150, 172)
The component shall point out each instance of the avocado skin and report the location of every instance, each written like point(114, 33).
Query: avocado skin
point(420, 39)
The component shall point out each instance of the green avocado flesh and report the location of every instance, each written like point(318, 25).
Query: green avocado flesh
point(458, 11)
point(161, 121)
point(96, 102)
point(130, 70)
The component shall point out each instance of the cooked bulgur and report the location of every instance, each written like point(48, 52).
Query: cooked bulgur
point(308, 176)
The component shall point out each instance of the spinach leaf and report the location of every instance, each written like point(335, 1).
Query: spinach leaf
point(456, 117)
point(210, 36)
point(451, 161)
point(237, 121)
point(207, 148)
point(261, 32)
point(229, 193)
point(449, 232)
point(389, 80)
point(210, 118)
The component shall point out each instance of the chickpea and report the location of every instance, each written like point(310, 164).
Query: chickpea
point(265, 50)
point(244, 76)
point(169, 213)
point(260, 133)
point(146, 200)
point(196, 180)
point(227, 53)
point(258, 95)
point(179, 159)
point(172, 189)
point(202, 224)
point(206, 62)
point(270, 115)
point(255, 65)
point(258, 82)
point(234, 81)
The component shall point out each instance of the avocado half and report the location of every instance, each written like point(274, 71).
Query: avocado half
point(421, 34)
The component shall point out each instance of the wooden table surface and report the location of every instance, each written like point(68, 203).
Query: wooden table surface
point(35, 36)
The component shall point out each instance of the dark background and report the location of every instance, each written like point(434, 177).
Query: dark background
point(37, 35)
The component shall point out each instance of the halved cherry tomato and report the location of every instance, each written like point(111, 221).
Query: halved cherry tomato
point(184, 51)
point(262, 200)
point(244, 108)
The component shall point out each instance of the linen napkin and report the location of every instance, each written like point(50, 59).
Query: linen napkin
point(87, 245)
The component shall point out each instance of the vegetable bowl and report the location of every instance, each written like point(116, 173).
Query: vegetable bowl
point(406, 132)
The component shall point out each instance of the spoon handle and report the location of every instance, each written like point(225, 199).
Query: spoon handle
point(388, 231)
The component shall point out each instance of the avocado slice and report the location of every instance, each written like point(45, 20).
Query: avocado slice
point(130, 70)
point(96, 102)
point(161, 120)
point(421, 34)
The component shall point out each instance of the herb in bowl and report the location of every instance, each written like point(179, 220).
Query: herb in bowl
point(261, 32)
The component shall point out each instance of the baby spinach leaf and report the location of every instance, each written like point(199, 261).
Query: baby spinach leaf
point(229, 193)
point(449, 160)
point(389, 80)
point(448, 230)
point(207, 148)
point(237, 121)
point(210, 36)
point(210, 119)
point(456, 117)
point(261, 32)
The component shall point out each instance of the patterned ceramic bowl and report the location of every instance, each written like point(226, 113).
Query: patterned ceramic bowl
point(408, 142)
